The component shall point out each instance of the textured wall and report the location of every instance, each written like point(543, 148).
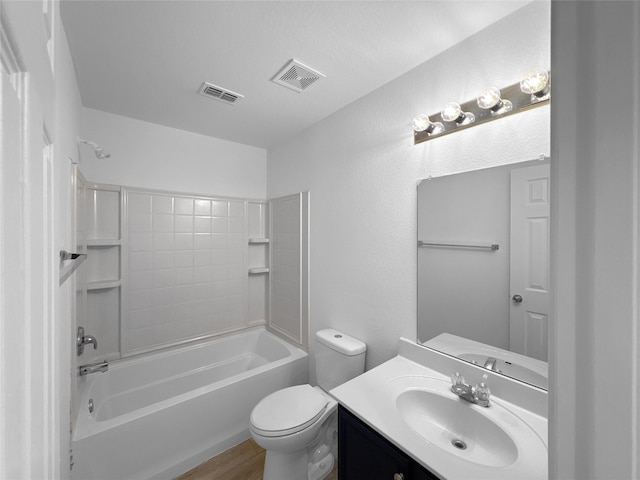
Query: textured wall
point(147, 155)
point(362, 169)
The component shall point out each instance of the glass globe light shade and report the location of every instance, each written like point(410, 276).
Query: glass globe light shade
point(535, 83)
point(489, 98)
point(421, 122)
point(451, 112)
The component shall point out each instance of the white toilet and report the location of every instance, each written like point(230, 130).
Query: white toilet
point(297, 426)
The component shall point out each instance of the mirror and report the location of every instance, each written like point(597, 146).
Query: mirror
point(483, 267)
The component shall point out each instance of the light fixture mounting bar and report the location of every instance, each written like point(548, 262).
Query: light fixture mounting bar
point(521, 102)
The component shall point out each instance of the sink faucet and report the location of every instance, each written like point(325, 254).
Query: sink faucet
point(491, 364)
point(479, 394)
point(93, 368)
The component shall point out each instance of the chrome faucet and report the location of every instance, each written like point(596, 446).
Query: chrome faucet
point(491, 364)
point(479, 394)
point(93, 368)
point(83, 340)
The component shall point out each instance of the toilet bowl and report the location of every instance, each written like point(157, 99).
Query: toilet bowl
point(292, 425)
point(297, 426)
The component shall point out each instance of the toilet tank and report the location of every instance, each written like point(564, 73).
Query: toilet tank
point(339, 358)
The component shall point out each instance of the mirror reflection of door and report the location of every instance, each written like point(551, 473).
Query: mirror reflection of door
point(468, 292)
point(529, 265)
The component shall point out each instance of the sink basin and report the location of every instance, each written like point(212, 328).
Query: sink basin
point(491, 437)
point(456, 427)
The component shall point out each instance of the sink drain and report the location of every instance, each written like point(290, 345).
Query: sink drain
point(459, 444)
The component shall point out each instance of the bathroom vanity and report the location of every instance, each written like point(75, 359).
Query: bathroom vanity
point(364, 453)
point(403, 421)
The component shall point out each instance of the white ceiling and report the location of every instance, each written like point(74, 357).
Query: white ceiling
point(147, 59)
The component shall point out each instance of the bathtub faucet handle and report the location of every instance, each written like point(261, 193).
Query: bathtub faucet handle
point(83, 340)
point(88, 339)
point(93, 368)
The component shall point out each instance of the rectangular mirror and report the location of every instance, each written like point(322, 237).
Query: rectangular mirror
point(483, 267)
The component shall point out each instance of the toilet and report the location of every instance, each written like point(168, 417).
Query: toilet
point(297, 426)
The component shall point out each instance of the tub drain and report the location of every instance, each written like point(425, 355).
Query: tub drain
point(459, 444)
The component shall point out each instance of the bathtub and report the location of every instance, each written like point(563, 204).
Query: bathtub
point(159, 415)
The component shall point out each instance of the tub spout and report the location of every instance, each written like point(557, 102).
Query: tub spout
point(93, 368)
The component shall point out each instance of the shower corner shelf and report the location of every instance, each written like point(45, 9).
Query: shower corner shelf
point(103, 242)
point(67, 270)
point(258, 240)
point(258, 270)
point(103, 284)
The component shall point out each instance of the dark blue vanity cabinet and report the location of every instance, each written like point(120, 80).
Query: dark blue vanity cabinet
point(363, 454)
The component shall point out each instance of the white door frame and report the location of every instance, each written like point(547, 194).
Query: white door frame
point(29, 439)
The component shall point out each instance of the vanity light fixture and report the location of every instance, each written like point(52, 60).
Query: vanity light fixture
point(489, 99)
point(491, 104)
point(452, 112)
point(536, 85)
point(422, 123)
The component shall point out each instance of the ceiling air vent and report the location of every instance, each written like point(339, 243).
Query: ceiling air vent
point(218, 93)
point(297, 76)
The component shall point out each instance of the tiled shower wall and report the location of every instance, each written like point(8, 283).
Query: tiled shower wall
point(186, 269)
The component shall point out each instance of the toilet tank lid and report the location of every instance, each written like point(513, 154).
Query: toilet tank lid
point(340, 342)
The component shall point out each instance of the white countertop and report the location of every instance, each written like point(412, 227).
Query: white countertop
point(368, 397)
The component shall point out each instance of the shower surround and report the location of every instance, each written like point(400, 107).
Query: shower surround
point(186, 292)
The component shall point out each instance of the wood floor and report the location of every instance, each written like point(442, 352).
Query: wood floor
point(242, 462)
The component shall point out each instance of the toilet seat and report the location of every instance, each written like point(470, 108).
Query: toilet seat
point(288, 411)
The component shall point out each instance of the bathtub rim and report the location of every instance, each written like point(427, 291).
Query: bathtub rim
point(193, 344)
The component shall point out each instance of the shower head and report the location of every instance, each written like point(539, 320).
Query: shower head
point(97, 149)
point(100, 153)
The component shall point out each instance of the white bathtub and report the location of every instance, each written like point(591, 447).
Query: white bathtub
point(161, 414)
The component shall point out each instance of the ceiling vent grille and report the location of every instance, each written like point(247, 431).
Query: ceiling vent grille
point(218, 93)
point(297, 76)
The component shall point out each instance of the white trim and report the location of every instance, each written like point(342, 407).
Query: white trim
point(302, 338)
point(596, 251)
point(29, 378)
point(8, 57)
point(635, 379)
point(51, 342)
point(300, 270)
point(15, 409)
